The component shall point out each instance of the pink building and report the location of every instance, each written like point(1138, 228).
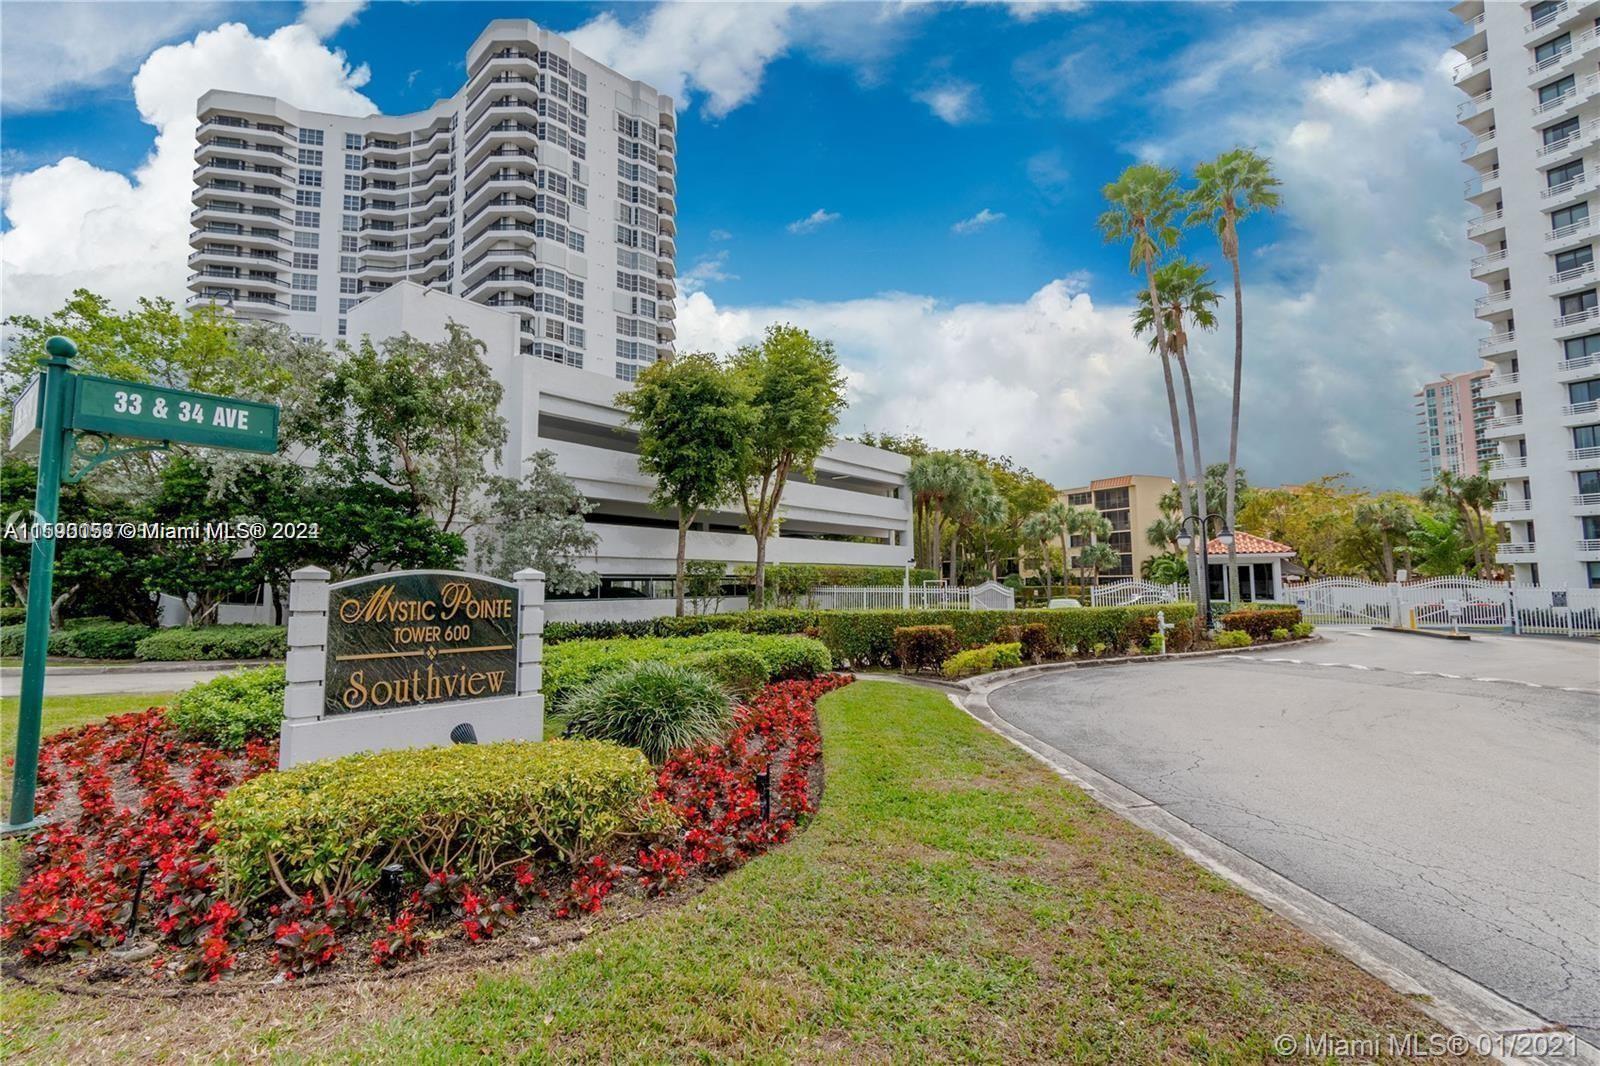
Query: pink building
point(1451, 418)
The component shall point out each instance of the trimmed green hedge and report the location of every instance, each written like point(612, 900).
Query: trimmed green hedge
point(189, 643)
point(232, 708)
point(774, 621)
point(13, 615)
point(983, 660)
point(86, 639)
point(866, 638)
point(574, 663)
point(330, 826)
point(1260, 621)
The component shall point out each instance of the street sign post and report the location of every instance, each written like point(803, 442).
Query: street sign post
point(62, 407)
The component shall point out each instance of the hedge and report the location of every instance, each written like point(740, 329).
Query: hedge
point(866, 638)
point(232, 708)
point(983, 660)
point(1234, 638)
point(774, 621)
point(13, 615)
point(924, 647)
point(86, 639)
point(330, 826)
point(1259, 622)
point(574, 663)
point(190, 643)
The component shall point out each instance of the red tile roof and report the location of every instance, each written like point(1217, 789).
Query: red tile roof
point(1248, 544)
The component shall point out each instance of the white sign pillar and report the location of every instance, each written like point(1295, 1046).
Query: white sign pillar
point(308, 644)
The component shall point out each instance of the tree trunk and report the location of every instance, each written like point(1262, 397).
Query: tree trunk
point(684, 521)
point(1172, 405)
point(1238, 379)
point(758, 594)
point(1201, 503)
point(1388, 556)
point(955, 540)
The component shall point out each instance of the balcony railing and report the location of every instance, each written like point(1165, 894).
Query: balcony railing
point(1488, 260)
point(1467, 108)
point(1571, 229)
point(1493, 300)
point(1516, 549)
point(1473, 145)
point(1503, 422)
point(1549, 18)
point(1484, 220)
point(1508, 465)
point(1495, 341)
point(1588, 314)
point(1549, 62)
point(1511, 507)
point(1582, 362)
point(1586, 546)
point(1466, 69)
point(1564, 188)
point(1501, 381)
point(1576, 273)
point(1489, 179)
point(1588, 407)
point(1582, 455)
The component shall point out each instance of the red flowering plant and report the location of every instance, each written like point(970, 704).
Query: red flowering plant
point(303, 948)
point(402, 941)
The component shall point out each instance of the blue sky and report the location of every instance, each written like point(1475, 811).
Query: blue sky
point(950, 158)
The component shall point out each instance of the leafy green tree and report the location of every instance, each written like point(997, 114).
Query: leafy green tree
point(693, 430)
point(1389, 520)
point(908, 444)
point(1145, 202)
point(202, 571)
point(978, 501)
point(1469, 496)
point(1097, 557)
point(795, 393)
point(1168, 568)
point(1039, 530)
point(1440, 545)
point(1228, 189)
point(538, 522)
point(1089, 523)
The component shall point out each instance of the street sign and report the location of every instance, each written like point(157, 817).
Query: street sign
point(150, 412)
point(27, 415)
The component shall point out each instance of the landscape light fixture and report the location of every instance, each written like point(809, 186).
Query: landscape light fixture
point(389, 880)
point(764, 789)
point(464, 734)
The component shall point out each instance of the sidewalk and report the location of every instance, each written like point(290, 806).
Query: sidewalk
point(94, 679)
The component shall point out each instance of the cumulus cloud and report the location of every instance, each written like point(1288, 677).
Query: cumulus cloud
point(327, 17)
point(813, 222)
point(977, 222)
point(707, 268)
point(953, 101)
point(75, 225)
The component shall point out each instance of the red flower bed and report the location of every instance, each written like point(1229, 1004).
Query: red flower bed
point(129, 792)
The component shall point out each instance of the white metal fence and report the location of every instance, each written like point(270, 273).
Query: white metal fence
point(889, 598)
point(1434, 603)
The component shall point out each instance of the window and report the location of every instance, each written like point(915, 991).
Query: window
point(1578, 302)
point(352, 162)
point(351, 223)
point(306, 239)
point(1584, 391)
point(302, 303)
point(305, 261)
point(1586, 437)
point(1591, 527)
point(575, 336)
point(352, 140)
point(352, 203)
point(1575, 259)
point(347, 244)
point(304, 281)
point(309, 219)
point(311, 178)
point(1581, 347)
point(627, 372)
point(307, 198)
point(346, 303)
point(343, 325)
point(1556, 89)
point(1569, 216)
point(352, 183)
point(1593, 570)
point(1552, 48)
point(1560, 131)
point(349, 264)
point(312, 137)
point(555, 329)
point(1589, 482)
point(1565, 173)
point(1543, 8)
point(349, 285)
point(309, 157)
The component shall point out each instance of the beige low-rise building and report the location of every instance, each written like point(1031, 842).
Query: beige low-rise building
point(1130, 502)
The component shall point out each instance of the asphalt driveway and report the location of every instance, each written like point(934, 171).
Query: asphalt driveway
point(1460, 814)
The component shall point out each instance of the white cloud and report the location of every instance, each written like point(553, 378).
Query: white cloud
point(953, 101)
point(706, 269)
point(977, 222)
point(49, 50)
point(1048, 172)
point(813, 222)
point(76, 225)
point(327, 17)
point(718, 50)
point(721, 235)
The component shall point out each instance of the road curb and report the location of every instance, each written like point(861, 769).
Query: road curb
point(989, 681)
point(135, 667)
point(1448, 996)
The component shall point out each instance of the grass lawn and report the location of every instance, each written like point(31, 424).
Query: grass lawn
point(953, 900)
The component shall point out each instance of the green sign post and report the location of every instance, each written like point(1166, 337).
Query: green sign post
point(67, 410)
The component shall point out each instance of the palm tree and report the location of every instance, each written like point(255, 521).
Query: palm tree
point(937, 482)
point(1185, 296)
point(1391, 522)
point(1163, 533)
point(1437, 545)
point(992, 514)
point(1470, 497)
point(1062, 516)
point(1098, 557)
point(1091, 524)
point(975, 497)
point(1232, 187)
point(1145, 202)
point(1037, 531)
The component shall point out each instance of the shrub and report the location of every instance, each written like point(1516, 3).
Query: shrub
point(774, 621)
point(1234, 638)
point(924, 647)
point(1280, 634)
point(330, 826)
point(656, 707)
point(214, 642)
point(982, 660)
point(740, 671)
point(1038, 642)
point(574, 663)
point(11, 639)
point(99, 640)
point(13, 615)
point(866, 638)
point(1301, 629)
point(1259, 621)
point(1142, 633)
point(233, 708)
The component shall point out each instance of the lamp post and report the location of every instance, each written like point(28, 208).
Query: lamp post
point(1187, 528)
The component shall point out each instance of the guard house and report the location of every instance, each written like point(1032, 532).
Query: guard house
point(1258, 565)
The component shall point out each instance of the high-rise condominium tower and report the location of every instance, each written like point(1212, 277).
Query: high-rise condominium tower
point(1452, 426)
point(545, 186)
point(1533, 115)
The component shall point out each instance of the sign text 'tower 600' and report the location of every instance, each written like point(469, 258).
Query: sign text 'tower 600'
point(419, 637)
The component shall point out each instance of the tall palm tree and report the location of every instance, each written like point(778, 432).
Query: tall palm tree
point(1093, 525)
point(937, 482)
point(1470, 497)
point(1391, 522)
point(1098, 557)
point(1061, 515)
point(1232, 187)
point(1038, 531)
point(975, 497)
point(1185, 297)
point(1145, 202)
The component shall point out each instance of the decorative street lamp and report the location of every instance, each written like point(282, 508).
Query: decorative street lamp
point(1202, 525)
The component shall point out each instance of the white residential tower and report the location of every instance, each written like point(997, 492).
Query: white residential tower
point(1531, 76)
point(545, 186)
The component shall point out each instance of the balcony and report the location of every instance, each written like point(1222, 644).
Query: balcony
point(1478, 105)
point(1549, 20)
point(1504, 509)
point(1588, 550)
point(1575, 277)
point(1543, 66)
point(1478, 64)
point(1586, 504)
point(1493, 304)
point(1497, 343)
point(1556, 195)
point(1500, 384)
point(1582, 458)
point(1475, 146)
point(1572, 232)
point(1555, 150)
point(1488, 181)
point(1516, 553)
point(1582, 318)
point(1505, 468)
point(1503, 426)
point(1573, 414)
point(1582, 366)
point(1489, 264)
point(1488, 222)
